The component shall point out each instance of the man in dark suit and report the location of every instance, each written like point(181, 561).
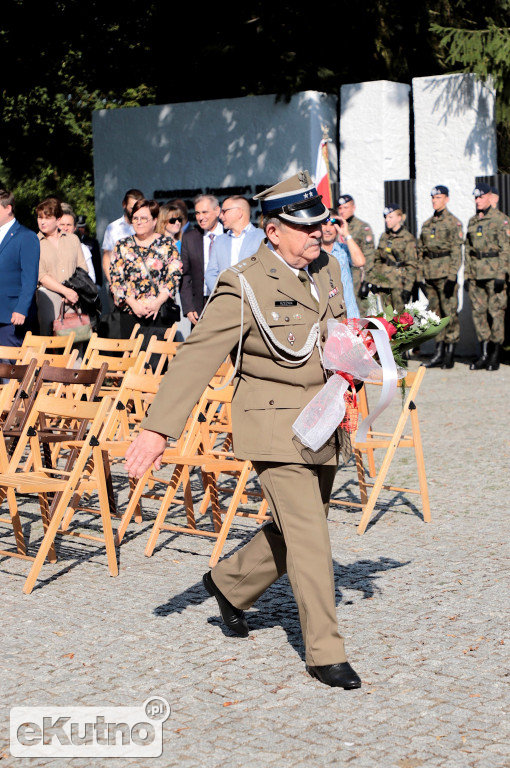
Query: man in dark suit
point(19, 267)
point(195, 251)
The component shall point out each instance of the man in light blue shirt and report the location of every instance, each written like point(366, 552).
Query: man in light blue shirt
point(337, 241)
point(241, 238)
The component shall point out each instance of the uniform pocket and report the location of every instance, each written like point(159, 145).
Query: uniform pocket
point(266, 418)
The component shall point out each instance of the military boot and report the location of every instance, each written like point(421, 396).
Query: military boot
point(438, 356)
point(448, 361)
point(481, 362)
point(493, 361)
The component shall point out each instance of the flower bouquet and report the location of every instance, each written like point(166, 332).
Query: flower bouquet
point(411, 328)
point(356, 352)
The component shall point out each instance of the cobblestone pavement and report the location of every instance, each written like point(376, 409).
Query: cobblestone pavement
point(423, 608)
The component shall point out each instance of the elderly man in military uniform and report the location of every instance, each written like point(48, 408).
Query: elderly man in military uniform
point(273, 307)
point(439, 260)
point(487, 265)
point(363, 237)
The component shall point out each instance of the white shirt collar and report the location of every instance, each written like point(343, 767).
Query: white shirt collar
point(5, 228)
point(242, 233)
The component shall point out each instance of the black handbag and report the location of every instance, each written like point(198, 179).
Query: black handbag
point(169, 312)
point(88, 292)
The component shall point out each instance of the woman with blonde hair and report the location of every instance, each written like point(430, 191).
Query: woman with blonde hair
point(169, 223)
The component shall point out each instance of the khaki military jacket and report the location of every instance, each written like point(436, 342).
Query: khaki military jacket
point(487, 246)
point(396, 261)
point(269, 393)
point(440, 247)
point(364, 237)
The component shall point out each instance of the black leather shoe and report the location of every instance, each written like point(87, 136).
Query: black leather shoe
point(233, 617)
point(336, 675)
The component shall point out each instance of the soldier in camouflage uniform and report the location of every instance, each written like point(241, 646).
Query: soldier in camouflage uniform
point(363, 237)
point(487, 264)
point(506, 220)
point(393, 273)
point(439, 260)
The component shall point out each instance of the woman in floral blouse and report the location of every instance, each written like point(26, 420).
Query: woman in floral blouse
point(145, 273)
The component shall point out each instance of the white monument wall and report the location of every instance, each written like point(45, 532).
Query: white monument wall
point(374, 144)
point(206, 145)
point(455, 140)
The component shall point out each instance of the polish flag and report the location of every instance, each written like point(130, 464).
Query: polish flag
point(322, 181)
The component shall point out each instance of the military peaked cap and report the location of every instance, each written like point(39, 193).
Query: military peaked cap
point(295, 200)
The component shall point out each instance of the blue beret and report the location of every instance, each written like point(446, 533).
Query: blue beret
point(482, 189)
point(439, 189)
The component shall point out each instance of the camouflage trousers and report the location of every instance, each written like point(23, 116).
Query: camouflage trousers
point(357, 279)
point(444, 307)
point(488, 310)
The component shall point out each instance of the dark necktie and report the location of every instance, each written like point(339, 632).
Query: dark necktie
point(305, 279)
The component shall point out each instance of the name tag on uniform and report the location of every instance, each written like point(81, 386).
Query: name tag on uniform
point(285, 303)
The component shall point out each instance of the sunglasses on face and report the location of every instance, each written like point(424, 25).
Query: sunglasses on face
point(174, 220)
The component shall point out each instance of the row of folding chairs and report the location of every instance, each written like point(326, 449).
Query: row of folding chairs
point(79, 439)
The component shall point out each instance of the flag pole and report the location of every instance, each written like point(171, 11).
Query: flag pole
point(325, 154)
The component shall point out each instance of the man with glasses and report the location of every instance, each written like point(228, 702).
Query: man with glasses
point(270, 312)
point(195, 254)
point(240, 240)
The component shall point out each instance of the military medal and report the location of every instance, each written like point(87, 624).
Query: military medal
point(291, 338)
point(275, 315)
point(297, 316)
point(333, 292)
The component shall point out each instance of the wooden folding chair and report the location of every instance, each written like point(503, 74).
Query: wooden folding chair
point(53, 358)
point(60, 482)
point(12, 354)
point(62, 344)
point(391, 441)
point(112, 347)
point(158, 354)
point(169, 334)
point(14, 393)
point(117, 369)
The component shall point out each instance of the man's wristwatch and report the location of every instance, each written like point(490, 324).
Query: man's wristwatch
point(348, 237)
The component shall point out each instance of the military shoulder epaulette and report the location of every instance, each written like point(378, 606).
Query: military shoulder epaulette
point(243, 265)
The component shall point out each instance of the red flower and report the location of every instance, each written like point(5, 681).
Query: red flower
point(390, 328)
point(405, 320)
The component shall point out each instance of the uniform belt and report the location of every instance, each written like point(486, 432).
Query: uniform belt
point(437, 254)
point(487, 254)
